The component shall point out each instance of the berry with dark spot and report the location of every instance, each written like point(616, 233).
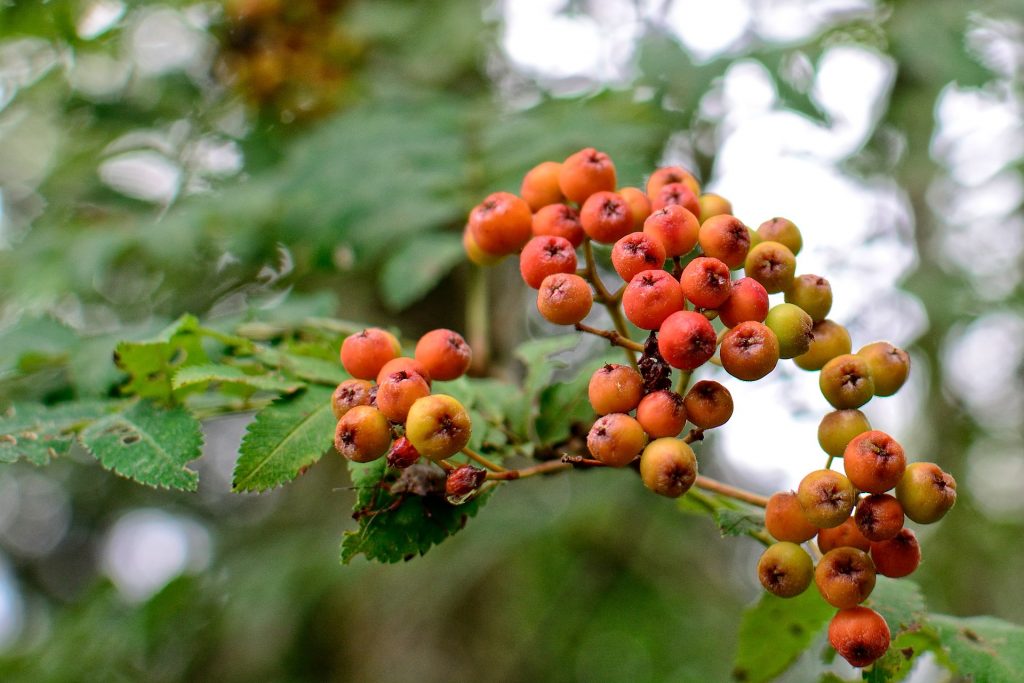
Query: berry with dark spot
point(558, 220)
point(748, 300)
point(845, 577)
point(675, 227)
point(349, 394)
point(661, 414)
point(785, 569)
point(606, 217)
point(438, 426)
point(635, 253)
point(614, 388)
point(874, 461)
point(926, 492)
point(826, 497)
point(784, 519)
point(363, 434)
point(616, 439)
point(898, 556)
point(879, 516)
point(772, 264)
point(860, 635)
point(846, 382)
point(668, 467)
point(706, 282)
point(749, 351)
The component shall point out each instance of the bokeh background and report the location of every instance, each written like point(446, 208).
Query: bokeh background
point(266, 160)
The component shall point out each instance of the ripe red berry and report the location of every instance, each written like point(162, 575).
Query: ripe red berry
point(845, 577)
point(826, 497)
point(846, 535)
point(686, 340)
point(859, 635)
point(749, 351)
point(362, 434)
point(675, 227)
point(616, 439)
point(462, 483)
point(838, 428)
point(889, 366)
point(501, 224)
point(637, 252)
point(615, 388)
point(926, 492)
point(784, 519)
point(706, 282)
point(828, 340)
point(438, 426)
point(748, 300)
point(811, 293)
point(668, 467)
point(564, 298)
point(671, 174)
point(772, 264)
point(785, 569)
point(444, 353)
point(402, 454)
point(365, 353)
point(543, 256)
point(540, 185)
point(558, 220)
point(879, 516)
point(606, 217)
point(713, 205)
point(406, 364)
point(898, 556)
point(783, 231)
point(586, 172)
point(661, 414)
point(397, 393)
point(725, 238)
point(874, 461)
point(651, 297)
point(678, 194)
point(793, 328)
point(639, 205)
point(349, 394)
point(708, 404)
point(846, 382)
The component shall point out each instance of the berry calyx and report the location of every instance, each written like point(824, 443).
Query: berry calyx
point(349, 394)
point(402, 363)
point(668, 467)
point(606, 217)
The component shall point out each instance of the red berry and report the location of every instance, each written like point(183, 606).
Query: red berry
point(444, 353)
point(748, 300)
point(859, 635)
point(586, 172)
point(898, 556)
point(671, 174)
point(406, 364)
point(365, 353)
point(706, 282)
point(564, 298)
point(637, 252)
point(878, 516)
point(462, 483)
point(559, 220)
point(676, 229)
point(606, 217)
point(687, 340)
point(402, 454)
point(846, 535)
point(501, 224)
point(661, 414)
point(651, 297)
point(678, 194)
point(543, 256)
point(749, 351)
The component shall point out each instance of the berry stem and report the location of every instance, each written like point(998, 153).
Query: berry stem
point(445, 465)
point(542, 468)
point(478, 319)
point(580, 461)
point(610, 301)
point(694, 435)
point(728, 491)
point(473, 455)
point(684, 381)
point(828, 463)
point(616, 339)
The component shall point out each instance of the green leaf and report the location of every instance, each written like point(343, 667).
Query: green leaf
point(288, 435)
point(393, 526)
point(148, 443)
point(900, 602)
point(739, 522)
point(317, 370)
point(983, 648)
point(229, 374)
point(39, 433)
point(792, 623)
point(152, 363)
point(418, 265)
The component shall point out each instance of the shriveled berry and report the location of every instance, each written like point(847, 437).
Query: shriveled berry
point(444, 353)
point(713, 205)
point(349, 394)
point(845, 577)
point(676, 193)
point(783, 231)
point(889, 366)
point(793, 328)
point(725, 238)
point(501, 223)
point(586, 172)
point(543, 256)
point(651, 297)
point(635, 253)
point(363, 434)
point(606, 217)
point(874, 461)
point(772, 264)
point(826, 497)
point(540, 185)
point(616, 439)
point(708, 404)
point(639, 205)
point(878, 516)
point(462, 483)
point(614, 388)
point(365, 353)
point(675, 227)
point(846, 382)
point(838, 428)
point(564, 298)
point(661, 414)
point(860, 635)
point(926, 492)
point(397, 393)
point(898, 556)
point(828, 340)
point(687, 340)
point(667, 175)
point(748, 300)
point(438, 426)
point(706, 282)
point(406, 364)
point(846, 535)
point(668, 467)
point(402, 454)
point(812, 293)
point(558, 220)
point(784, 519)
point(785, 569)
point(749, 351)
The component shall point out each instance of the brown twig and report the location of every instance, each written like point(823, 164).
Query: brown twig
point(723, 489)
point(615, 338)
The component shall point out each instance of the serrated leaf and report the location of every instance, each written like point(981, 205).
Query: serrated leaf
point(983, 648)
point(739, 522)
point(288, 435)
point(792, 623)
point(229, 374)
point(393, 529)
point(148, 443)
point(896, 664)
point(38, 433)
point(900, 602)
point(418, 265)
point(307, 368)
point(152, 363)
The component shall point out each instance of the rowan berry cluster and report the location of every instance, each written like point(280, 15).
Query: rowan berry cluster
point(677, 251)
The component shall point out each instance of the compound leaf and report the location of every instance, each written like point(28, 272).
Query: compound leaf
point(229, 374)
point(38, 433)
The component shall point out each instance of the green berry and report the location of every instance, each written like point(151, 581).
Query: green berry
point(793, 328)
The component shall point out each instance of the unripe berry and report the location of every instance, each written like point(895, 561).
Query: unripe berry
point(926, 492)
point(725, 238)
point(874, 461)
point(772, 264)
point(783, 231)
point(889, 366)
point(784, 519)
point(543, 256)
point(397, 393)
point(639, 205)
point(859, 635)
point(540, 185)
point(402, 454)
point(811, 293)
point(785, 569)
point(635, 253)
point(749, 351)
point(838, 428)
point(706, 282)
point(438, 426)
point(462, 483)
point(686, 340)
point(675, 227)
point(846, 535)
point(898, 556)
point(606, 217)
point(349, 394)
point(474, 253)
point(677, 194)
point(668, 467)
point(363, 434)
point(444, 353)
point(845, 577)
point(365, 353)
point(846, 382)
point(879, 517)
point(616, 439)
point(708, 404)
point(406, 364)
point(793, 328)
point(586, 172)
point(564, 298)
point(668, 175)
point(747, 301)
point(501, 224)
point(713, 205)
point(828, 340)
point(826, 497)
point(661, 414)
point(651, 297)
point(615, 388)
point(558, 220)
